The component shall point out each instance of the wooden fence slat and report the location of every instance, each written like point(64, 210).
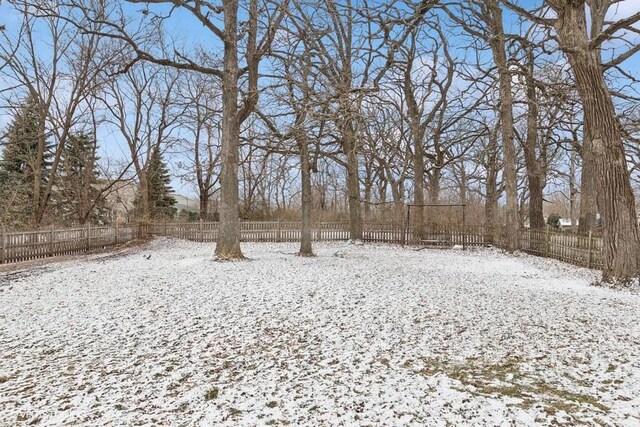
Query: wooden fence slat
point(51, 243)
point(26, 245)
point(3, 245)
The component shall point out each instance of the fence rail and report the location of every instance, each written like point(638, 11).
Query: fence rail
point(18, 246)
point(21, 246)
point(575, 249)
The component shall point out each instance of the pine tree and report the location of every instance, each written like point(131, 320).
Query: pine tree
point(17, 164)
point(79, 196)
point(161, 200)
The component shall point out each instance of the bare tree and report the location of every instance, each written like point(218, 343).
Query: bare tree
point(243, 47)
point(202, 118)
point(583, 48)
point(142, 104)
point(62, 80)
point(483, 20)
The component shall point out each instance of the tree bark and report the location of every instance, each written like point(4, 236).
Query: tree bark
point(204, 205)
point(418, 184)
point(228, 244)
point(615, 196)
point(497, 43)
point(491, 204)
point(353, 181)
point(573, 191)
point(368, 187)
point(38, 171)
point(463, 183)
point(397, 194)
point(145, 205)
point(588, 187)
point(417, 137)
point(434, 197)
point(534, 171)
point(306, 248)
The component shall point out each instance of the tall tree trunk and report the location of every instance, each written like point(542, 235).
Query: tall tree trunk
point(323, 197)
point(145, 200)
point(497, 43)
point(397, 194)
point(463, 183)
point(85, 199)
point(417, 137)
point(615, 197)
point(353, 181)
point(382, 188)
point(491, 204)
point(39, 172)
point(228, 245)
point(588, 187)
point(434, 197)
point(418, 185)
point(398, 198)
point(536, 215)
point(203, 205)
point(434, 185)
point(305, 169)
point(368, 187)
point(534, 171)
point(573, 191)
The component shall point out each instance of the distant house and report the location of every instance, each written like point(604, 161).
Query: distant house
point(565, 224)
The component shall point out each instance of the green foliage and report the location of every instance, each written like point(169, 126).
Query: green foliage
point(188, 216)
point(160, 191)
point(79, 199)
point(19, 163)
point(161, 200)
point(553, 221)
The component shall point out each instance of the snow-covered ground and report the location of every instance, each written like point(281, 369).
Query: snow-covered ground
point(360, 335)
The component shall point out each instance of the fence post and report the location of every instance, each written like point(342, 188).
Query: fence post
point(51, 240)
point(115, 240)
point(279, 233)
point(590, 260)
point(3, 245)
point(464, 229)
point(88, 231)
point(200, 231)
point(547, 243)
point(405, 231)
point(165, 227)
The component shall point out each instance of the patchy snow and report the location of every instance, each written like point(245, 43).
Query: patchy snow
point(359, 335)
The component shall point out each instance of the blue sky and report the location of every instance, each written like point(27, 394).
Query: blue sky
point(188, 32)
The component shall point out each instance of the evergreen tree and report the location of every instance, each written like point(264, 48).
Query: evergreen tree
point(79, 196)
point(19, 158)
point(161, 200)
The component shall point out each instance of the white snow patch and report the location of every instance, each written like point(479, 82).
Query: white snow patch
point(359, 335)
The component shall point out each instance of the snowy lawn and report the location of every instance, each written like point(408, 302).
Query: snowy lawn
point(360, 335)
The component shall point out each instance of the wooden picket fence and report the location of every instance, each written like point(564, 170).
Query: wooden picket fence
point(290, 231)
point(572, 248)
point(21, 246)
point(18, 246)
point(263, 231)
